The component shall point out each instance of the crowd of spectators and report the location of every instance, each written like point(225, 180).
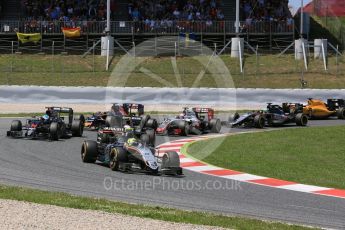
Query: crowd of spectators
point(275, 11)
point(157, 14)
point(183, 10)
point(65, 10)
point(168, 13)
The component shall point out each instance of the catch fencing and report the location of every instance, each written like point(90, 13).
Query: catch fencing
point(141, 27)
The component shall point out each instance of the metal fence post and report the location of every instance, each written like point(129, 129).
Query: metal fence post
point(87, 42)
point(93, 57)
point(156, 45)
point(53, 44)
point(178, 44)
point(336, 61)
point(201, 44)
point(257, 61)
point(12, 56)
point(134, 49)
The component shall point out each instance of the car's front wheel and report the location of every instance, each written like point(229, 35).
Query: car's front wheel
point(301, 119)
point(89, 151)
point(117, 156)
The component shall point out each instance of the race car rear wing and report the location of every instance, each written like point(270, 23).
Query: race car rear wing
point(202, 110)
point(297, 107)
point(61, 109)
point(131, 108)
point(334, 104)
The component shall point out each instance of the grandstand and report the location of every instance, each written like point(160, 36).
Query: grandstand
point(267, 24)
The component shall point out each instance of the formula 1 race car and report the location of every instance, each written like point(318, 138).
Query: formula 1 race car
point(147, 126)
point(131, 113)
point(124, 151)
point(277, 115)
point(52, 125)
point(254, 119)
point(192, 121)
point(96, 121)
point(274, 115)
point(317, 109)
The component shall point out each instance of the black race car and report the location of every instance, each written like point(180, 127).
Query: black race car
point(191, 121)
point(124, 149)
point(254, 119)
point(131, 113)
point(274, 115)
point(277, 115)
point(53, 125)
point(96, 121)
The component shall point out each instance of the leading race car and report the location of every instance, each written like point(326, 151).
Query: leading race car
point(317, 109)
point(131, 113)
point(191, 121)
point(124, 151)
point(273, 115)
point(51, 125)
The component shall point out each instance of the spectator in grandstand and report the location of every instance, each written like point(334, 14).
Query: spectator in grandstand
point(185, 10)
point(273, 11)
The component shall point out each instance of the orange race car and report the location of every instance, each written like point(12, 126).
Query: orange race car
point(317, 109)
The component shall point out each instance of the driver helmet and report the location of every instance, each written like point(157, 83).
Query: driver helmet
point(132, 142)
point(190, 112)
point(129, 131)
point(45, 117)
point(116, 108)
point(128, 128)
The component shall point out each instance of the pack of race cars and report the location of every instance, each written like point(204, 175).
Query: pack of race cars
point(126, 136)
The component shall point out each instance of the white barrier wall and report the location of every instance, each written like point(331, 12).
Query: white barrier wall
point(318, 44)
point(243, 98)
point(235, 47)
point(104, 46)
point(299, 48)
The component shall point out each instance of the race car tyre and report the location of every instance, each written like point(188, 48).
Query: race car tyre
point(215, 125)
point(144, 120)
point(114, 121)
point(55, 131)
point(152, 136)
point(89, 151)
point(152, 123)
point(16, 125)
point(195, 131)
point(259, 122)
point(146, 139)
point(183, 126)
point(81, 118)
point(77, 128)
point(233, 117)
point(63, 130)
point(301, 119)
point(170, 160)
point(117, 156)
point(341, 113)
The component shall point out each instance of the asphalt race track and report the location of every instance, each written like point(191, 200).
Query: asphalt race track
point(57, 166)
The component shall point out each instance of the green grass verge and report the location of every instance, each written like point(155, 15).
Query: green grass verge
point(158, 213)
point(72, 70)
point(312, 155)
